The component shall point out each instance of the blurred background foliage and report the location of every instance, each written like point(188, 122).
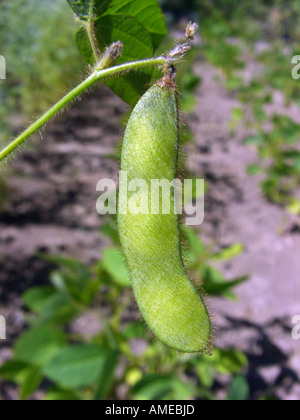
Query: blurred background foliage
point(234, 33)
point(43, 62)
point(121, 359)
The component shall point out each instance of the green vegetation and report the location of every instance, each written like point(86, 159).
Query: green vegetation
point(83, 328)
point(42, 61)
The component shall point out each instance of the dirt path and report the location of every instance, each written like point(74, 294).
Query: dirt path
point(52, 209)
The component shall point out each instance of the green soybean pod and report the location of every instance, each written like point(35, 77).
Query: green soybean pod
point(169, 302)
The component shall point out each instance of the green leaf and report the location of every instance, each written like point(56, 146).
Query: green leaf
point(74, 280)
point(196, 249)
point(229, 253)
point(134, 330)
point(159, 387)
point(229, 362)
point(110, 230)
point(70, 264)
point(106, 378)
point(189, 80)
point(14, 370)
point(254, 169)
point(114, 264)
point(51, 305)
point(239, 389)
point(57, 394)
point(294, 206)
point(57, 309)
point(31, 382)
point(256, 140)
point(137, 45)
point(147, 12)
point(237, 114)
point(215, 283)
point(28, 377)
point(205, 372)
point(84, 9)
point(188, 103)
point(36, 297)
point(77, 366)
point(39, 345)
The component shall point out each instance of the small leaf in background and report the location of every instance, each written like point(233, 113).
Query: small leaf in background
point(39, 345)
point(269, 398)
point(152, 387)
point(286, 129)
point(293, 156)
point(36, 297)
point(226, 362)
point(74, 280)
point(114, 264)
point(216, 284)
point(254, 169)
point(135, 330)
point(239, 389)
point(159, 387)
point(188, 102)
point(195, 249)
point(254, 140)
point(70, 264)
point(51, 305)
point(294, 206)
point(14, 370)
point(57, 394)
point(237, 116)
point(133, 376)
point(110, 230)
point(28, 377)
point(57, 310)
point(84, 9)
point(229, 362)
point(31, 382)
point(205, 372)
point(233, 83)
point(77, 366)
point(229, 253)
point(190, 81)
point(106, 378)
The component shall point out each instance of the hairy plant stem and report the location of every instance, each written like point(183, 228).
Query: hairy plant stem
point(89, 27)
point(95, 77)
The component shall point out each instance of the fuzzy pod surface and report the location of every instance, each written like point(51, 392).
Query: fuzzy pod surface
point(169, 302)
